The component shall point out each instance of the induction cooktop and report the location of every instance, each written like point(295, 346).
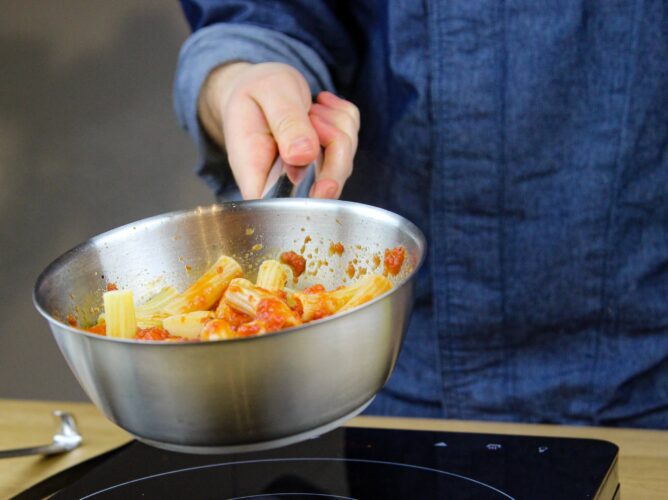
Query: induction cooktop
point(355, 463)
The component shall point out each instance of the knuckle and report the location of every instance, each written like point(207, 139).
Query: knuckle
point(276, 67)
point(346, 169)
point(288, 124)
point(277, 77)
point(344, 158)
point(352, 131)
point(267, 84)
point(345, 141)
point(353, 111)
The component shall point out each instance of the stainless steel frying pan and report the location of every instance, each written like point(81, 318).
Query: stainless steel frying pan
point(244, 394)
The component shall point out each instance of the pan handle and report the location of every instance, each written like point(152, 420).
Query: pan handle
point(286, 181)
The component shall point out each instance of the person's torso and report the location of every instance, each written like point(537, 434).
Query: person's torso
point(529, 140)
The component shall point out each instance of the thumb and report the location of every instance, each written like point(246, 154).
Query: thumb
point(285, 103)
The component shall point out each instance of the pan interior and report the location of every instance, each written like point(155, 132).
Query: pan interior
point(175, 249)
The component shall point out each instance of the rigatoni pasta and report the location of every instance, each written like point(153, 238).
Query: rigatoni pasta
point(120, 317)
point(223, 305)
point(187, 325)
point(156, 304)
point(205, 292)
point(244, 296)
point(272, 275)
point(367, 288)
point(317, 304)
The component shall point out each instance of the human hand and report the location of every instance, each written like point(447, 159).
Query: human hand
point(256, 111)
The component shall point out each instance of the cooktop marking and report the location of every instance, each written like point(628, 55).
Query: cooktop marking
point(309, 459)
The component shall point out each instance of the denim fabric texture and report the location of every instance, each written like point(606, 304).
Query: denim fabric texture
point(529, 141)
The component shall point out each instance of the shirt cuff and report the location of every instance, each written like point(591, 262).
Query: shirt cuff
point(218, 44)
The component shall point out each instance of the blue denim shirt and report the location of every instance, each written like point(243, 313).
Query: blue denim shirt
point(529, 141)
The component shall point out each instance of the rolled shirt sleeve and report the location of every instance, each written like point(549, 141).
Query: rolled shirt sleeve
point(222, 43)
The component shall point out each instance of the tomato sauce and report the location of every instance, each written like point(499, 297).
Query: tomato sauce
point(273, 313)
point(217, 328)
point(336, 248)
point(97, 329)
point(153, 333)
point(295, 261)
point(324, 309)
point(394, 259)
point(314, 289)
point(232, 316)
point(249, 329)
point(297, 308)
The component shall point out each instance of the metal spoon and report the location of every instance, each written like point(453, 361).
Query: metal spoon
point(65, 439)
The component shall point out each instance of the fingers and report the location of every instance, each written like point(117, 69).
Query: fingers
point(332, 101)
point(337, 123)
point(250, 146)
point(285, 99)
point(267, 114)
point(265, 110)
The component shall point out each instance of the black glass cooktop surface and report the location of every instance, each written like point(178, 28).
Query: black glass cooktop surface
point(358, 463)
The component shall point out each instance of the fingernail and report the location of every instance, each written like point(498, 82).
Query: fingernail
point(326, 189)
point(300, 147)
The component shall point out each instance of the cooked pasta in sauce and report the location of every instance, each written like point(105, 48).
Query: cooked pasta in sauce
point(222, 304)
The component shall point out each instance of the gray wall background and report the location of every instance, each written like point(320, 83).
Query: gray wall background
point(88, 142)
